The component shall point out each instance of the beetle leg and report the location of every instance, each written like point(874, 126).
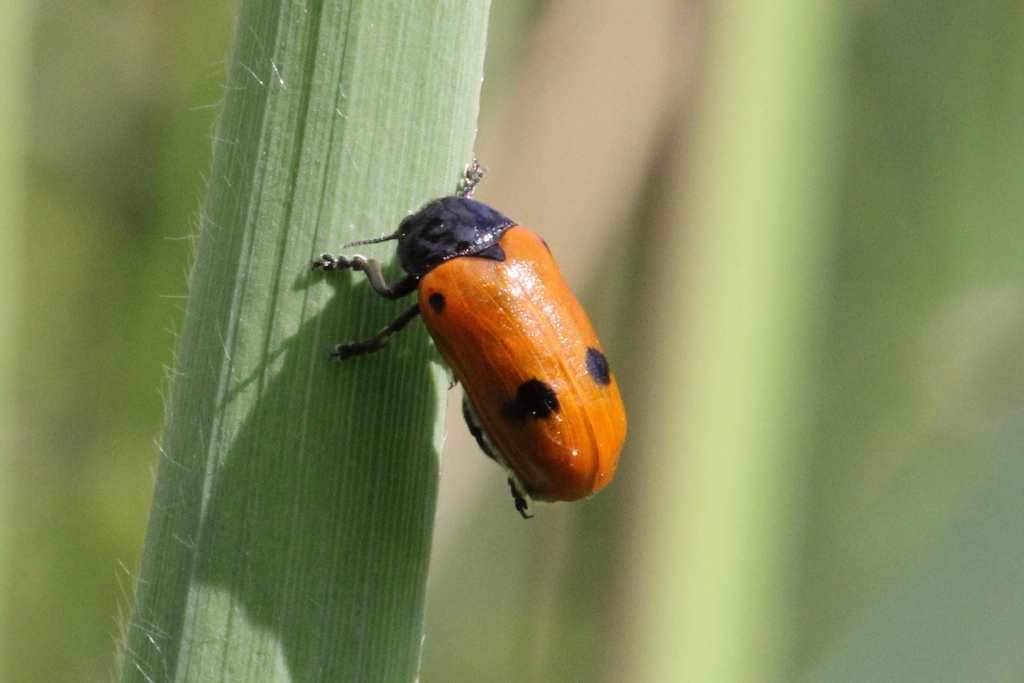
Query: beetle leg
point(377, 341)
point(396, 290)
point(522, 503)
point(471, 177)
point(478, 432)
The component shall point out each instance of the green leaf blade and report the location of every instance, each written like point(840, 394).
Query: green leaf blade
point(294, 505)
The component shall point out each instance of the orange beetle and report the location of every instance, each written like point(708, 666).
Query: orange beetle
point(540, 398)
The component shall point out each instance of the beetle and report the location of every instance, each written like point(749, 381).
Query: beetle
point(539, 396)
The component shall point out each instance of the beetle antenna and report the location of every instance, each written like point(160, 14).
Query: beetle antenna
point(375, 240)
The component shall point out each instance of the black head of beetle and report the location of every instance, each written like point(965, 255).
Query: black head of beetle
point(447, 228)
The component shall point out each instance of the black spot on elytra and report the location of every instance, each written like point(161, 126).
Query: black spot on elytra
point(436, 301)
point(533, 399)
point(597, 367)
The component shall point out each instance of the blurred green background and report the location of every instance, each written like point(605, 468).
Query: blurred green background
point(798, 230)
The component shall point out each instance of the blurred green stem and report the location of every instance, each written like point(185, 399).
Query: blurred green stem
point(719, 522)
point(291, 521)
point(14, 50)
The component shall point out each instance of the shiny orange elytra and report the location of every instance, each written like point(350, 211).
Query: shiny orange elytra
point(537, 380)
point(540, 398)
